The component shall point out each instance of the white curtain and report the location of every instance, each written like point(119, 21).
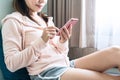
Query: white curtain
point(107, 30)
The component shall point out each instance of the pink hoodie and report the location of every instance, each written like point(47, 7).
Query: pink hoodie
point(24, 47)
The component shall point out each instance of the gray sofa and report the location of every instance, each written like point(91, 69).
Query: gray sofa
point(5, 7)
point(1, 75)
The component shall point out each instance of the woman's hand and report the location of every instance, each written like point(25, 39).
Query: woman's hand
point(65, 34)
point(49, 33)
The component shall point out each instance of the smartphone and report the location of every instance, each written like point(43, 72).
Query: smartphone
point(72, 21)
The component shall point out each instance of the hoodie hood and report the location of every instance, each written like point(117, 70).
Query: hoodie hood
point(25, 20)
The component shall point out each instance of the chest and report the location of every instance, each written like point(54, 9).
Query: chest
point(31, 34)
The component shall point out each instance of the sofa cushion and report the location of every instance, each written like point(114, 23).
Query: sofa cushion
point(21, 74)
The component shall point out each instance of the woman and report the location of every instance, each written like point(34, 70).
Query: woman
point(32, 42)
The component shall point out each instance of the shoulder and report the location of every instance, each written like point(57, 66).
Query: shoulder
point(13, 16)
point(12, 22)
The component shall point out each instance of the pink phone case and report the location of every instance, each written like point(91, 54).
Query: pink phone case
point(72, 21)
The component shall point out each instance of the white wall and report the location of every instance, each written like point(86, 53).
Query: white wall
point(5, 8)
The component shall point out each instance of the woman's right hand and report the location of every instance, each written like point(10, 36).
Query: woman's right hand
point(49, 33)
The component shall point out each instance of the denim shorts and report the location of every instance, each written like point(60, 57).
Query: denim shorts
point(52, 73)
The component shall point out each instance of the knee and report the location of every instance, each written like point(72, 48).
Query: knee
point(115, 48)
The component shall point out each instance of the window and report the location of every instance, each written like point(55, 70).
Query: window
point(107, 23)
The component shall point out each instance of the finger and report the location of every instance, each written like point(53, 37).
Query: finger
point(51, 33)
point(63, 35)
point(70, 31)
point(57, 28)
point(62, 39)
point(70, 28)
point(54, 30)
point(66, 32)
point(53, 27)
point(51, 36)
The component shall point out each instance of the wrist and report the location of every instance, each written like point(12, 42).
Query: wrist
point(45, 39)
point(62, 41)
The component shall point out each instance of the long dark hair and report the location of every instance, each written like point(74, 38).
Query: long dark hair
point(20, 6)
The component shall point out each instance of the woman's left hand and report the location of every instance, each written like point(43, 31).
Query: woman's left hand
point(65, 34)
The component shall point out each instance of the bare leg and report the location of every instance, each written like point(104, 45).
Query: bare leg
point(82, 74)
point(91, 66)
point(100, 60)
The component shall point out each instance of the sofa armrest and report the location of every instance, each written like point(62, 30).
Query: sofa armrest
point(1, 75)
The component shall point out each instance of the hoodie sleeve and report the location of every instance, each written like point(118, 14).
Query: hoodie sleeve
point(64, 46)
point(15, 56)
